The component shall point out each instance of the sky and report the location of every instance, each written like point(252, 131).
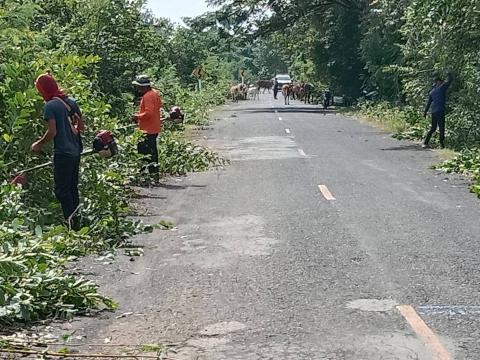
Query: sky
point(176, 9)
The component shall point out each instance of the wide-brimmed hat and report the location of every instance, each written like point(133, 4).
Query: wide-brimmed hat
point(142, 80)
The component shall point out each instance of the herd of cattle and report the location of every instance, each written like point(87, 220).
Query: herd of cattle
point(244, 92)
point(295, 91)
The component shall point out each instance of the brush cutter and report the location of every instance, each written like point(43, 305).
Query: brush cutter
point(104, 144)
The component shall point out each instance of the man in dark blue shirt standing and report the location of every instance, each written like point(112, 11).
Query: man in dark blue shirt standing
point(276, 87)
point(436, 101)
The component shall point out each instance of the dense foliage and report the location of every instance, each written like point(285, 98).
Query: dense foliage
point(94, 48)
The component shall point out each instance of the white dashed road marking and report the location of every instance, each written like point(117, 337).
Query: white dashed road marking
point(302, 153)
point(326, 193)
point(287, 131)
point(280, 118)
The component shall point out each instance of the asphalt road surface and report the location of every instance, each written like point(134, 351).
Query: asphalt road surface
point(324, 239)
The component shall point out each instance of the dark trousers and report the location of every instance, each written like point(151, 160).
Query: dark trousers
point(148, 147)
point(438, 120)
point(66, 171)
point(275, 92)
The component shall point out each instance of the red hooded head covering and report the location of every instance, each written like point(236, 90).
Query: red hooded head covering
point(48, 87)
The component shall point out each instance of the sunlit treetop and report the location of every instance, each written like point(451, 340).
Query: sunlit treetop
point(266, 16)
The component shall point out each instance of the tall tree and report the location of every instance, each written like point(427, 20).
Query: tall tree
point(381, 48)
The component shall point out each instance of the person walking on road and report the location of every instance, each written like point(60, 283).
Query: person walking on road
point(437, 101)
point(327, 96)
point(275, 88)
point(64, 127)
point(149, 121)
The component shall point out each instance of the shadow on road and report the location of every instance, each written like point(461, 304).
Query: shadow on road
point(289, 109)
point(150, 196)
point(178, 187)
point(414, 147)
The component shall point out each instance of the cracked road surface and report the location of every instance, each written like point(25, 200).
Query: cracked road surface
point(303, 248)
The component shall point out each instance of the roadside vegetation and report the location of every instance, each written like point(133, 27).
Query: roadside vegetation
point(94, 48)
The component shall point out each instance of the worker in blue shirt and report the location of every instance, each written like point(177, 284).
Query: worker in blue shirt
point(436, 102)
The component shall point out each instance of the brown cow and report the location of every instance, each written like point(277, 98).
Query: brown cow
point(296, 91)
point(238, 92)
point(265, 85)
point(243, 89)
point(301, 93)
point(235, 92)
point(287, 92)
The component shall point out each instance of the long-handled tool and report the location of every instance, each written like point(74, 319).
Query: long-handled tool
point(104, 144)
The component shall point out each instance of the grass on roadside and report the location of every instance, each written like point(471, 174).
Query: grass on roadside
point(406, 123)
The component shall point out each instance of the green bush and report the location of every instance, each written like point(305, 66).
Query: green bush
point(33, 284)
point(468, 163)
point(406, 122)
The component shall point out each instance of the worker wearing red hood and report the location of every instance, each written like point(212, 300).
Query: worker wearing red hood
point(64, 126)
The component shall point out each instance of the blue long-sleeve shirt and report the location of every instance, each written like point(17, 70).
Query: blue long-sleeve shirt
point(438, 96)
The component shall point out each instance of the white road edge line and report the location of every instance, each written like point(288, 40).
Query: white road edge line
point(326, 193)
point(302, 153)
point(287, 131)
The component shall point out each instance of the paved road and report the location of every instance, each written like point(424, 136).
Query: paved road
point(264, 264)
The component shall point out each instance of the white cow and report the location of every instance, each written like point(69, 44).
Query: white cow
point(253, 93)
